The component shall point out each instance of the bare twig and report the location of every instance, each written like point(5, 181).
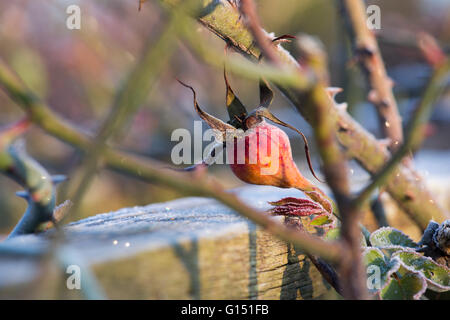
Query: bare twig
point(265, 44)
point(431, 50)
point(352, 276)
point(369, 56)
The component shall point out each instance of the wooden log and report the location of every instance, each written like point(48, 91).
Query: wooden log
point(191, 248)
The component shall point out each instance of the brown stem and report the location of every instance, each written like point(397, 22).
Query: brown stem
point(369, 57)
point(334, 163)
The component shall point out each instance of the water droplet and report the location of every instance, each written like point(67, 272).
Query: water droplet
point(127, 244)
point(352, 171)
point(387, 124)
point(115, 242)
point(167, 208)
point(431, 201)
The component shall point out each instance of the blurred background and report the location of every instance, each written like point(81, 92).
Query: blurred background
point(78, 71)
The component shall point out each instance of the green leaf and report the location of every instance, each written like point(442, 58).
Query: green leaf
point(405, 286)
point(321, 220)
point(436, 275)
point(379, 269)
point(391, 238)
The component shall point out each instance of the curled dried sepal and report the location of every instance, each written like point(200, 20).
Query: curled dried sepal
point(212, 121)
point(236, 110)
point(265, 94)
point(265, 113)
point(296, 207)
point(284, 38)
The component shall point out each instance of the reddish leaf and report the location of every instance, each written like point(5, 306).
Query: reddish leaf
point(296, 207)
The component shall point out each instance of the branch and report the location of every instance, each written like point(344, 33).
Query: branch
point(352, 282)
point(248, 9)
point(38, 184)
point(414, 131)
point(369, 56)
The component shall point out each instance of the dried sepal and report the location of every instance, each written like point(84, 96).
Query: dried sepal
point(236, 110)
point(265, 94)
point(284, 38)
point(265, 113)
point(211, 121)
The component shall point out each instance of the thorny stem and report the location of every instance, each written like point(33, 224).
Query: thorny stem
point(334, 164)
point(369, 57)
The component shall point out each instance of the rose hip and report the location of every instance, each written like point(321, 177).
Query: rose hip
point(268, 161)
